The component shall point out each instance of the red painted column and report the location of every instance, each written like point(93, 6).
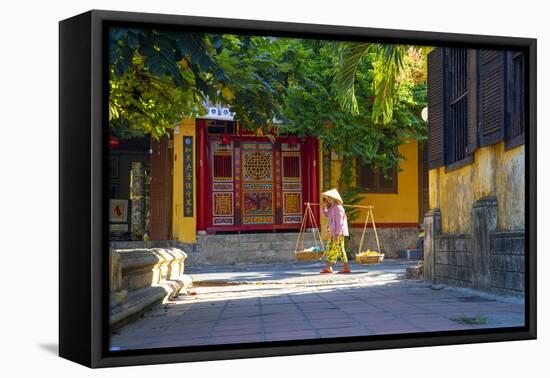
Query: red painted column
point(314, 175)
point(201, 176)
point(306, 177)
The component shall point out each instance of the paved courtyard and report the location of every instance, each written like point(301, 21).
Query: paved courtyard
point(239, 304)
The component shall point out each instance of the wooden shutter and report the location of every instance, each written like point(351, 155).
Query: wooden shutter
point(492, 96)
point(472, 102)
point(436, 118)
point(366, 177)
point(160, 190)
point(515, 130)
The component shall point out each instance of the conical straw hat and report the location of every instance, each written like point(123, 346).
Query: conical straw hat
point(333, 193)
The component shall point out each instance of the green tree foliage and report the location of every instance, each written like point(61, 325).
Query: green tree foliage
point(158, 77)
point(312, 107)
point(360, 100)
point(257, 72)
point(388, 65)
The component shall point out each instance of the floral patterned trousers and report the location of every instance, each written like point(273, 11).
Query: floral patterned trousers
point(335, 249)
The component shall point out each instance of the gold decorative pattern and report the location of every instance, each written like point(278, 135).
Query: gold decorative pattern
point(292, 203)
point(257, 166)
point(257, 220)
point(223, 204)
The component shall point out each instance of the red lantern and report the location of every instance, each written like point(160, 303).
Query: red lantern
point(226, 139)
point(113, 142)
point(292, 140)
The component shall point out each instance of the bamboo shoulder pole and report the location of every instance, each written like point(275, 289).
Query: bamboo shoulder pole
point(315, 227)
point(357, 206)
point(364, 230)
point(375, 232)
point(301, 234)
point(369, 214)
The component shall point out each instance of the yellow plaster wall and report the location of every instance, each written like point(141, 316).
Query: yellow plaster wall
point(183, 229)
point(401, 207)
point(494, 172)
point(510, 188)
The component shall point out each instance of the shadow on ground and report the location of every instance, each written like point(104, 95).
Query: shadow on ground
point(52, 348)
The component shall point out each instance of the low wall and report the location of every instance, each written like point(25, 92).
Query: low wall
point(236, 249)
point(507, 262)
point(143, 277)
point(392, 239)
point(453, 260)
point(485, 259)
point(272, 248)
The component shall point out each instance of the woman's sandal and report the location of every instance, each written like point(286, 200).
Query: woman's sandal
point(324, 271)
point(345, 271)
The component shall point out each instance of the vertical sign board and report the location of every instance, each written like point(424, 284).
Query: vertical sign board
point(188, 176)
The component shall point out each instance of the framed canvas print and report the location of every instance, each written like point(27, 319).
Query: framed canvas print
point(238, 188)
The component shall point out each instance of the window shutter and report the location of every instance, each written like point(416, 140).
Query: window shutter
point(515, 117)
point(435, 108)
point(492, 96)
point(472, 101)
point(366, 177)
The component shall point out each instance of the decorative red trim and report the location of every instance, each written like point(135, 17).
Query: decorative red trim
point(304, 166)
point(384, 225)
point(254, 227)
point(201, 174)
point(314, 176)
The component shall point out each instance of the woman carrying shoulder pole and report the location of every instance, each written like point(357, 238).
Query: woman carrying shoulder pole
point(337, 227)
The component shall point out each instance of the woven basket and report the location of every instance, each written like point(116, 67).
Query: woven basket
point(307, 255)
point(374, 259)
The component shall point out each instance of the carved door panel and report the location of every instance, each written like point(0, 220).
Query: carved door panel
point(258, 189)
point(291, 174)
point(255, 184)
point(222, 183)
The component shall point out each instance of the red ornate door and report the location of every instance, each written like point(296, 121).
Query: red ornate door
point(255, 184)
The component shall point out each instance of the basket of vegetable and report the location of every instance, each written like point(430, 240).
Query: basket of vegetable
point(369, 257)
point(309, 254)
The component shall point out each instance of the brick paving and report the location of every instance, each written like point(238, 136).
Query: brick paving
point(293, 301)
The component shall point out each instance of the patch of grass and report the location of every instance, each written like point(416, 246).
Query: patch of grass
point(478, 320)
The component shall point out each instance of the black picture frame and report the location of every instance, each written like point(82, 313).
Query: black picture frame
point(84, 188)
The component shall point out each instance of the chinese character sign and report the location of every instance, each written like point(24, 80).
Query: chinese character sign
point(187, 176)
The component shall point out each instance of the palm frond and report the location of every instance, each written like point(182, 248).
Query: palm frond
point(350, 57)
point(388, 64)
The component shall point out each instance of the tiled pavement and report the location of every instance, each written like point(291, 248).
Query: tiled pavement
point(269, 307)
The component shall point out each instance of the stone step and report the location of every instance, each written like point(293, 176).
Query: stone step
point(245, 248)
point(251, 246)
point(242, 257)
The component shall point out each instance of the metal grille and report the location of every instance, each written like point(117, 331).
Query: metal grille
point(222, 166)
point(291, 167)
point(457, 100)
point(517, 97)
